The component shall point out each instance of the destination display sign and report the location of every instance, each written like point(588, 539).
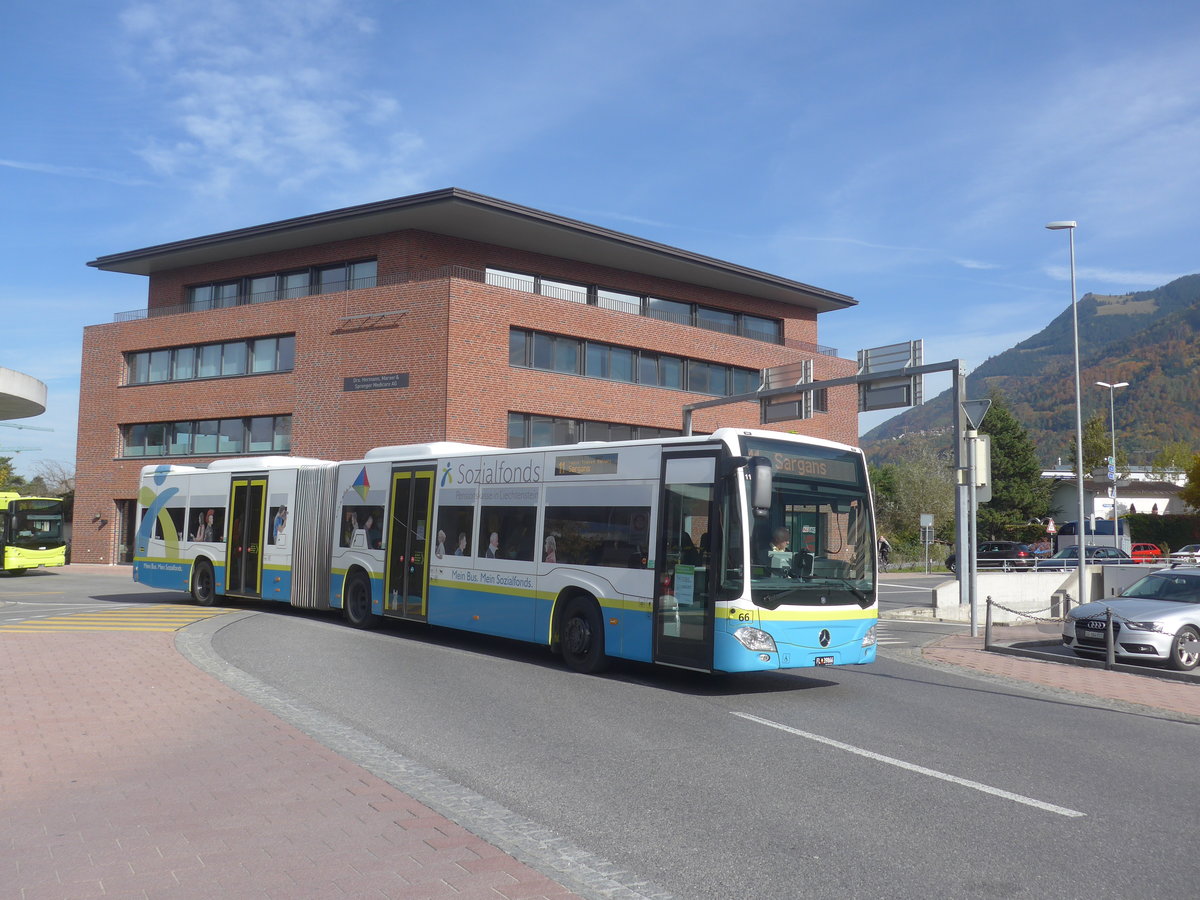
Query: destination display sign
point(587, 464)
point(827, 464)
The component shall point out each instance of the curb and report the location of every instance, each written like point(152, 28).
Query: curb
point(1030, 651)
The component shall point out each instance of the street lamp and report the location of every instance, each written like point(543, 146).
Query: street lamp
point(1081, 529)
point(1112, 419)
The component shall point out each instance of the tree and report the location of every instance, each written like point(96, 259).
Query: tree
point(1097, 443)
point(905, 490)
point(9, 479)
point(1019, 493)
point(1174, 457)
point(1190, 493)
point(58, 477)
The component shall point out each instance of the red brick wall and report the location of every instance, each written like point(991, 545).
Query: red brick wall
point(449, 335)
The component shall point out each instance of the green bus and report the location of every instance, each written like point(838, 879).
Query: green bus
point(32, 533)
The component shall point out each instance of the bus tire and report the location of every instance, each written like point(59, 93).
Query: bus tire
point(581, 635)
point(356, 602)
point(204, 584)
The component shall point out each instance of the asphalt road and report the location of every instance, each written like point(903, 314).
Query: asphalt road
point(893, 780)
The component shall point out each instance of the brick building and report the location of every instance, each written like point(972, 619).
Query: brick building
point(441, 316)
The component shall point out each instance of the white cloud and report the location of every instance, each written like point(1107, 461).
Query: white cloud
point(74, 172)
point(263, 90)
point(1112, 277)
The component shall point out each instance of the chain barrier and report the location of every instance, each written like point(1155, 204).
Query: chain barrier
point(1117, 617)
point(1028, 615)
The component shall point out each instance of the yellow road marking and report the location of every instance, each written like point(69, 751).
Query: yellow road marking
point(154, 618)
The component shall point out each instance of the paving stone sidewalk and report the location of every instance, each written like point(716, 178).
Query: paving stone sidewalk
point(127, 773)
point(1144, 688)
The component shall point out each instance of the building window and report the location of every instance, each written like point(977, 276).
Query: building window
point(769, 330)
point(514, 281)
point(233, 358)
point(264, 288)
point(212, 437)
point(669, 310)
point(576, 293)
point(258, 356)
point(347, 276)
point(556, 353)
point(619, 301)
point(707, 378)
point(680, 312)
point(717, 320)
point(527, 430)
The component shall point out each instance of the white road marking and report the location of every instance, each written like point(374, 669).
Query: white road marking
point(912, 767)
point(898, 586)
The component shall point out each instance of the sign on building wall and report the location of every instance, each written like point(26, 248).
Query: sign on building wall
point(375, 382)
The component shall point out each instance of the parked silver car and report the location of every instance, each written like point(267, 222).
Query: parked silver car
point(1155, 619)
point(1189, 553)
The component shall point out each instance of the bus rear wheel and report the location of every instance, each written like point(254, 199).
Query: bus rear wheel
point(581, 636)
point(356, 603)
point(204, 591)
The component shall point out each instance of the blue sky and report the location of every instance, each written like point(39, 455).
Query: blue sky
point(908, 155)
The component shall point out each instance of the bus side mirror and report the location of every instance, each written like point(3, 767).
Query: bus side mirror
point(760, 481)
point(761, 484)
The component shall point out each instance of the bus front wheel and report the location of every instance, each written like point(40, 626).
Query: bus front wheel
point(581, 636)
point(356, 603)
point(204, 591)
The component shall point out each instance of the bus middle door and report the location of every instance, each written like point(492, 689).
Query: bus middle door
point(243, 549)
point(408, 543)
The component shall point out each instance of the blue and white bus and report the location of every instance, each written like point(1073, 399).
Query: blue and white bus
point(743, 550)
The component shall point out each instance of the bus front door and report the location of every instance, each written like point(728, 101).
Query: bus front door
point(683, 601)
point(408, 541)
point(243, 548)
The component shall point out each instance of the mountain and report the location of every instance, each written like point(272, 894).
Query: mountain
point(1150, 339)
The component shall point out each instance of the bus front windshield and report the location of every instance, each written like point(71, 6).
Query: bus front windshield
point(36, 523)
point(816, 544)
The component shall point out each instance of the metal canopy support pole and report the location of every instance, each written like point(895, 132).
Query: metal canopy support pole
point(963, 508)
point(972, 508)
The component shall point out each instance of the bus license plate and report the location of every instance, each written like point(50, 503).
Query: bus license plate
point(824, 661)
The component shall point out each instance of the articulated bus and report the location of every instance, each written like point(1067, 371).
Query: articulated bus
point(32, 533)
point(743, 550)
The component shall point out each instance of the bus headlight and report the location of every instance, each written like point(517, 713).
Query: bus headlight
point(755, 639)
point(869, 638)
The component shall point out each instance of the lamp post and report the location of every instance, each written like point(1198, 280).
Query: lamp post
point(1112, 420)
point(1081, 528)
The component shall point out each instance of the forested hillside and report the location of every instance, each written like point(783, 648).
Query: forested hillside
point(1150, 339)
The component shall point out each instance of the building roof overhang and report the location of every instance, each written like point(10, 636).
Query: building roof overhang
point(475, 217)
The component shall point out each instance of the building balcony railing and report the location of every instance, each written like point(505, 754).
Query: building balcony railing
point(410, 276)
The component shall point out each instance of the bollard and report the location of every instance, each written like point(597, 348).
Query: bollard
point(987, 626)
point(1110, 650)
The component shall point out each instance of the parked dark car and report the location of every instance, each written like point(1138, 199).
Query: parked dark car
point(1068, 558)
point(1006, 555)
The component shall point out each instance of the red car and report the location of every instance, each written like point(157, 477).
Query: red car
point(1145, 552)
